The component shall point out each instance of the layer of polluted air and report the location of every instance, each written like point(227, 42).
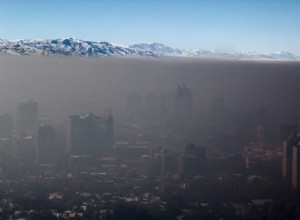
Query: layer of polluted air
point(95, 84)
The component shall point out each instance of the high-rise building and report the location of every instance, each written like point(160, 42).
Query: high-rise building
point(28, 117)
point(183, 101)
point(296, 167)
point(183, 110)
point(260, 135)
point(46, 152)
point(287, 156)
point(90, 135)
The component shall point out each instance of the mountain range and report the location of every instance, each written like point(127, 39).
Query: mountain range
point(76, 47)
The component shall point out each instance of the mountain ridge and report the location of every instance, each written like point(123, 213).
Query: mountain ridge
point(77, 47)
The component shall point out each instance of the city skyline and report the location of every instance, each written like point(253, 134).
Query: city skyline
point(130, 138)
point(266, 27)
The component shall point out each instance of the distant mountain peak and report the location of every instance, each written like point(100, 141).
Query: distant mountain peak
point(71, 46)
point(67, 47)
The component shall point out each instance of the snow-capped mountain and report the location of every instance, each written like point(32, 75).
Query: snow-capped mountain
point(163, 50)
point(76, 47)
point(158, 49)
point(68, 47)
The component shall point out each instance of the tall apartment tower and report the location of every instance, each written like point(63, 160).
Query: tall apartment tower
point(287, 156)
point(183, 101)
point(183, 109)
point(296, 167)
point(90, 135)
point(28, 117)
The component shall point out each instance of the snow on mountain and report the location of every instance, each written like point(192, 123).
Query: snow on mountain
point(76, 47)
point(158, 49)
point(162, 50)
point(68, 47)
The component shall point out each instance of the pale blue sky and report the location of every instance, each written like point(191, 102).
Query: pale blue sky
point(235, 25)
